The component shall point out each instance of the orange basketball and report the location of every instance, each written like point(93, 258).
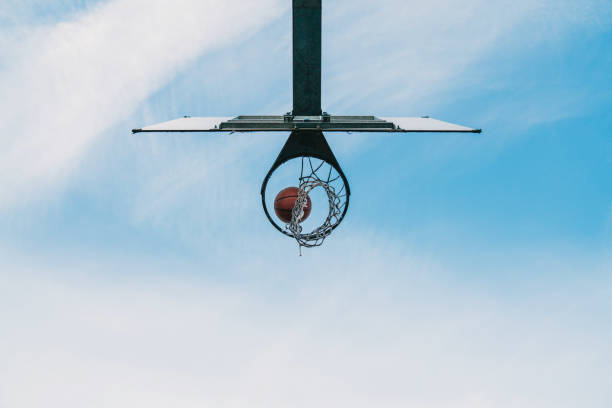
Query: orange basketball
point(285, 201)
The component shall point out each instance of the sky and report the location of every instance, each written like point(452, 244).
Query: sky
point(472, 270)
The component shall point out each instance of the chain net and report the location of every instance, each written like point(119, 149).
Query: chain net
point(336, 201)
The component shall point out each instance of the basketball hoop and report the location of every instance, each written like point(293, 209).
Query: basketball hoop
point(318, 169)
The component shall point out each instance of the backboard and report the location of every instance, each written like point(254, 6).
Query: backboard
point(288, 123)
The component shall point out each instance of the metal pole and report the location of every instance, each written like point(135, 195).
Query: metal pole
point(307, 57)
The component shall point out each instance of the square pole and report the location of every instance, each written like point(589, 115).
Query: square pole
point(307, 57)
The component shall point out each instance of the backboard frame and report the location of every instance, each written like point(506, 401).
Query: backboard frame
point(325, 122)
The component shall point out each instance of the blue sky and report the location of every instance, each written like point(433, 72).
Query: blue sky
point(471, 270)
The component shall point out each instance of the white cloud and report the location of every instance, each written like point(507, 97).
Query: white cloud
point(377, 329)
point(67, 83)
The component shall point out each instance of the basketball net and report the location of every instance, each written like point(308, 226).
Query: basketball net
point(318, 235)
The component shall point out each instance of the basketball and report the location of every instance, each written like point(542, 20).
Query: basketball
point(285, 201)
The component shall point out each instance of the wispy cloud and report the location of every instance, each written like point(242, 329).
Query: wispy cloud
point(399, 57)
point(72, 80)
